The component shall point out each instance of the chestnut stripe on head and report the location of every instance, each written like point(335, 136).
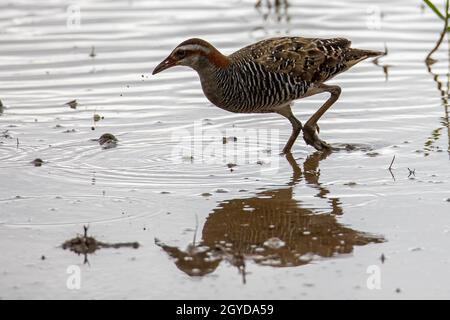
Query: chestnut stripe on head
point(190, 48)
point(203, 48)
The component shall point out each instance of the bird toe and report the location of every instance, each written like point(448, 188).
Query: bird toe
point(311, 138)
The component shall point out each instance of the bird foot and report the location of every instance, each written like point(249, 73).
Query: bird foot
point(310, 136)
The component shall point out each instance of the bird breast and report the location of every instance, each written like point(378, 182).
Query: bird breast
point(247, 87)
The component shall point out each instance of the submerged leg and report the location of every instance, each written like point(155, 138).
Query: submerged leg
point(309, 131)
point(296, 127)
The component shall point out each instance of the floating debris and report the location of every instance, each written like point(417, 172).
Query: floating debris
point(225, 140)
point(84, 244)
point(108, 141)
point(37, 162)
point(231, 165)
point(382, 258)
point(97, 118)
point(1, 107)
point(72, 104)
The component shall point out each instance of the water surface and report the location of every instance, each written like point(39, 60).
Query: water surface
point(309, 226)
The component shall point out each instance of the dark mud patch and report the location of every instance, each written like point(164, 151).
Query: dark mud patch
point(72, 104)
point(85, 245)
point(350, 147)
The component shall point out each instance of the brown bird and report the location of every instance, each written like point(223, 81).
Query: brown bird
point(268, 75)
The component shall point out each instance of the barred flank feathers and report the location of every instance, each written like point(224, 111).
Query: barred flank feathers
point(274, 72)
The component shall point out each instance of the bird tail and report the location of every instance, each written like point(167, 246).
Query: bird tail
point(372, 53)
point(353, 56)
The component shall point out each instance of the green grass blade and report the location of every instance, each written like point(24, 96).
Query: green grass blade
point(436, 10)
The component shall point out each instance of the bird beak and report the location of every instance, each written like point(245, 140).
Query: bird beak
point(166, 64)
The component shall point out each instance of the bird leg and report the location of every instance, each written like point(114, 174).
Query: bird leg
point(309, 130)
point(296, 127)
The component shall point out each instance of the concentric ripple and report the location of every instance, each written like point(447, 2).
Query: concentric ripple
point(59, 210)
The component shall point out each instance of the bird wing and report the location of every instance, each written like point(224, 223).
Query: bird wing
point(307, 58)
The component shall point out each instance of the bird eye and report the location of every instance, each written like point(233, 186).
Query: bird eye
point(180, 54)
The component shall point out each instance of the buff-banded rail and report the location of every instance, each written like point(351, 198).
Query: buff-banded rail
point(267, 76)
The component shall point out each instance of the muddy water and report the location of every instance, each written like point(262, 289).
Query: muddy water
point(253, 226)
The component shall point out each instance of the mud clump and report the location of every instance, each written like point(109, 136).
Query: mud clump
point(37, 162)
point(98, 117)
point(108, 141)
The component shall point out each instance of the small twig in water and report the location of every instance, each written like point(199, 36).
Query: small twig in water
point(411, 172)
point(390, 168)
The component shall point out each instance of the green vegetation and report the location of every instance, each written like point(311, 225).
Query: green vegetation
point(446, 29)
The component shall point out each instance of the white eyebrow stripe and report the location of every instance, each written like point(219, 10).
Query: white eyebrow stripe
point(194, 47)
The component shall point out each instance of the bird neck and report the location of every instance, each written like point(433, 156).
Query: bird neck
point(219, 60)
point(210, 70)
point(210, 61)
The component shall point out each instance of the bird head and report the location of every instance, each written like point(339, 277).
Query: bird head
point(194, 53)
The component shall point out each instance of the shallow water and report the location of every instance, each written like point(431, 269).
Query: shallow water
point(269, 227)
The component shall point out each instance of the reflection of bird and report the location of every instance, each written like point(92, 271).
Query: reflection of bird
point(271, 228)
point(280, 9)
point(268, 75)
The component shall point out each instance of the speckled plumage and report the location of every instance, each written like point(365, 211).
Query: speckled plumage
point(268, 75)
